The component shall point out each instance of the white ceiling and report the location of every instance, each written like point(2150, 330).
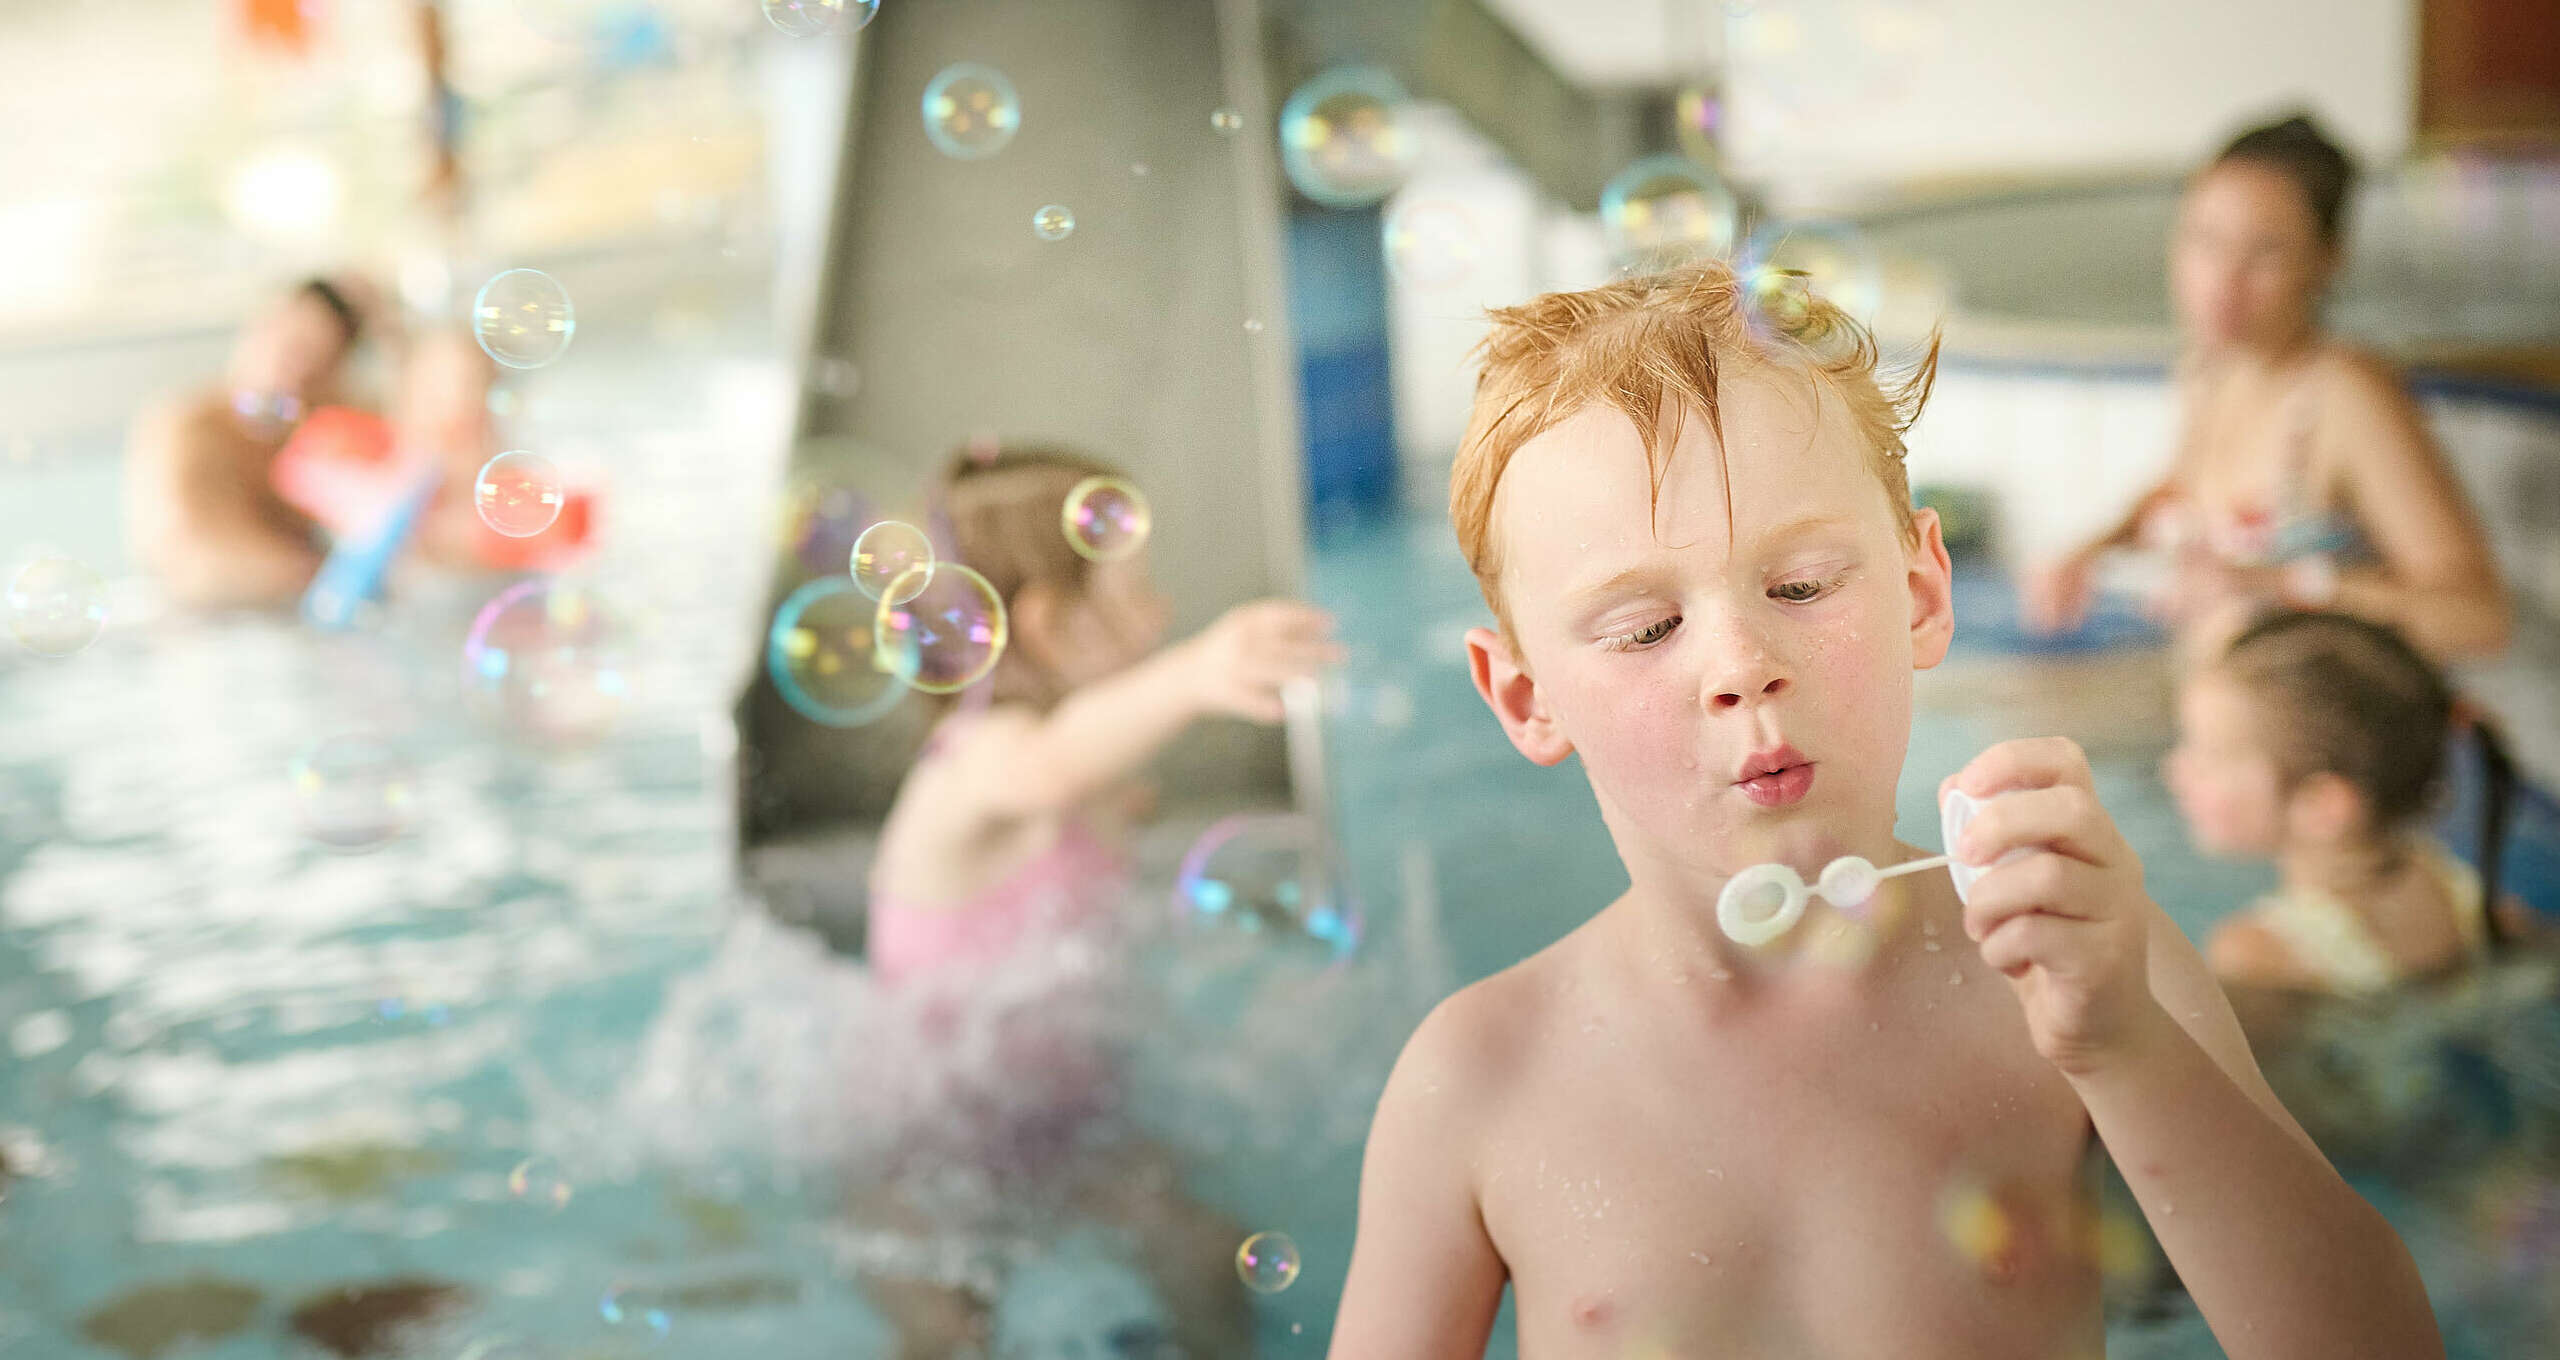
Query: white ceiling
point(1604, 44)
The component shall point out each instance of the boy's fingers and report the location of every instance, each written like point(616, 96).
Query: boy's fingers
point(2028, 940)
point(2026, 763)
point(2064, 818)
point(2050, 884)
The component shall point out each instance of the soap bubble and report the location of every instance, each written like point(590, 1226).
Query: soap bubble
point(1253, 325)
point(265, 414)
point(55, 606)
point(547, 660)
point(1667, 210)
point(971, 111)
point(1052, 222)
point(539, 1181)
point(1432, 242)
point(353, 791)
point(1267, 1262)
point(1342, 140)
point(947, 633)
point(1106, 519)
point(1268, 874)
point(809, 18)
point(1226, 120)
point(1698, 121)
point(887, 551)
point(523, 318)
point(819, 523)
point(633, 1316)
point(1782, 265)
point(518, 494)
point(824, 655)
point(393, 1010)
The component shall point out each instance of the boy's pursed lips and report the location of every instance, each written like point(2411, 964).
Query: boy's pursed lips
point(1776, 777)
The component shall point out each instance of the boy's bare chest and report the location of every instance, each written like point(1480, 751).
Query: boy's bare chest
point(1846, 1192)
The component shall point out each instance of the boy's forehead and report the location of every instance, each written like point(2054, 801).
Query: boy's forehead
point(1582, 486)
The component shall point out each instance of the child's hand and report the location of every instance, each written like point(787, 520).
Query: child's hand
point(2067, 923)
point(1239, 663)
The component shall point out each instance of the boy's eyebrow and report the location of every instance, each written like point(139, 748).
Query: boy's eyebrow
point(1801, 524)
point(1593, 592)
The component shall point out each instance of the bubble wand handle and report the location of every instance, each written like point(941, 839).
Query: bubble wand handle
point(1913, 866)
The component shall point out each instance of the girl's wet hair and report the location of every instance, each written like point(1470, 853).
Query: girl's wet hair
point(2304, 154)
point(2352, 698)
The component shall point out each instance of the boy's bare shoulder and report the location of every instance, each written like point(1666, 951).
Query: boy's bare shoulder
point(1478, 1041)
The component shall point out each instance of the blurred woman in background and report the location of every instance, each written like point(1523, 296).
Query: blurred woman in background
point(2305, 474)
point(200, 511)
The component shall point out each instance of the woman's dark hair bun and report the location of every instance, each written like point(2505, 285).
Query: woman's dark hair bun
point(2307, 155)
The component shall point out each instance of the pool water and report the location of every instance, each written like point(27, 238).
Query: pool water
point(253, 1084)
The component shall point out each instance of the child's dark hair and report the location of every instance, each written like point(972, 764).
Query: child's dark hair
point(341, 308)
point(2360, 703)
point(2303, 153)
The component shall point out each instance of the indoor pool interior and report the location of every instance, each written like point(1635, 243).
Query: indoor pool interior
point(362, 997)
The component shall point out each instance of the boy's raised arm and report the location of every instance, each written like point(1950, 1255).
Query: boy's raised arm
point(1425, 1280)
point(2283, 1258)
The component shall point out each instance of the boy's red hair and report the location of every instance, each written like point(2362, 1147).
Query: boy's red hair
point(1655, 344)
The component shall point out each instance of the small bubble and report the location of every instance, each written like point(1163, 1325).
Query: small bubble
point(1138, 169)
point(522, 318)
point(518, 494)
point(55, 606)
point(539, 1181)
point(1226, 120)
point(1955, 979)
point(1105, 519)
point(1052, 222)
point(1253, 325)
point(971, 111)
point(1267, 1262)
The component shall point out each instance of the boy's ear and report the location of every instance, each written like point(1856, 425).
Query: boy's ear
point(1513, 696)
point(1933, 594)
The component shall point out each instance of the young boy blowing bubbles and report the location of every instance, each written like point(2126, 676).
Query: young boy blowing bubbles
point(1690, 517)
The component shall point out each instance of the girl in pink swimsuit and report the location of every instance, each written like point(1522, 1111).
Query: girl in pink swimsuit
point(999, 884)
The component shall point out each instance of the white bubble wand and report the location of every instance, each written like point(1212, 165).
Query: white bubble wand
point(1846, 882)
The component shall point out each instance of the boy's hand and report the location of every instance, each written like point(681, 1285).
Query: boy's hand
point(1239, 663)
point(2067, 923)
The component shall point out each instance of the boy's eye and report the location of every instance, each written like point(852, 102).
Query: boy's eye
point(1642, 637)
point(1807, 591)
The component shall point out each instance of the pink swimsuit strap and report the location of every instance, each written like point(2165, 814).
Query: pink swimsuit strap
point(1066, 886)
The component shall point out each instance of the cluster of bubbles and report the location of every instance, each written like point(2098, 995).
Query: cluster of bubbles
point(1343, 138)
point(1267, 1262)
point(54, 605)
point(1272, 875)
point(518, 494)
point(813, 18)
point(550, 660)
point(843, 650)
point(522, 318)
point(354, 791)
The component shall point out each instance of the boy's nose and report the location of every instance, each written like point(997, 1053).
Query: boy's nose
point(1745, 672)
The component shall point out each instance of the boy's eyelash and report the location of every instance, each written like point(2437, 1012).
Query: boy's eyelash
point(1655, 632)
point(1643, 637)
point(1818, 586)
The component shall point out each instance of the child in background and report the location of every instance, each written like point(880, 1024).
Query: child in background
point(1000, 848)
point(1686, 505)
point(441, 414)
point(2318, 740)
